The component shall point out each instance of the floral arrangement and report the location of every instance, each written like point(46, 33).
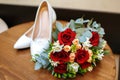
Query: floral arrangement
point(76, 48)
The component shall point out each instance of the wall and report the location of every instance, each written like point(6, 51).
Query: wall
point(94, 5)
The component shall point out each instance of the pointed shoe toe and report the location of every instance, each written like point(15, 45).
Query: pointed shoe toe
point(22, 42)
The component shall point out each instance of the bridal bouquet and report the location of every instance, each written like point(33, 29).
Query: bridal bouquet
point(76, 48)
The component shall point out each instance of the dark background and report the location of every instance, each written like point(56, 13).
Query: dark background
point(13, 15)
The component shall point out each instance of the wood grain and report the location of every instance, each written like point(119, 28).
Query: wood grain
point(16, 64)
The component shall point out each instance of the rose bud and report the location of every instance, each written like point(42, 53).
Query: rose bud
point(90, 52)
point(71, 61)
point(67, 48)
point(72, 57)
point(89, 60)
point(78, 46)
point(75, 41)
point(90, 56)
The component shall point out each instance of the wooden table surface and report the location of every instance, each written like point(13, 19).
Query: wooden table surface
point(16, 64)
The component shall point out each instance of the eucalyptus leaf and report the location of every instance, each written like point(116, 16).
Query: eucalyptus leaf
point(78, 35)
point(80, 30)
point(72, 25)
point(87, 34)
point(44, 55)
point(102, 43)
point(82, 39)
point(86, 21)
point(46, 65)
point(89, 23)
point(101, 31)
point(59, 26)
point(37, 66)
point(42, 61)
point(54, 34)
point(95, 25)
point(79, 26)
point(79, 21)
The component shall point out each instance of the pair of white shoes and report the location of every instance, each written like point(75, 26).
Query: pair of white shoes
point(39, 35)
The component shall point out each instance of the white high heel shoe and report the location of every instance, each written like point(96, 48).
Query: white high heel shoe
point(25, 40)
point(42, 35)
point(43, 29)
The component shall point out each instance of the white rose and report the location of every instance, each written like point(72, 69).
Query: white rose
point(75, 66)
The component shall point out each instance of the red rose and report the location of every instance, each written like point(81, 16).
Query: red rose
point(66, 37)
point(82, 56)
point(61, 68)
point(61, 56)
point(85, 65)
point(95, 39)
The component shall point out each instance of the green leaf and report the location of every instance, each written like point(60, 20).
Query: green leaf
point(50, 67)
point(55, 75)
point(94, 58)
point(59, 76)
point(33, 59)
point(69, 75)
point(90, 22)
point(82, 71)
point(64, 75)
point(106, 52)
point(37, 55)
point(73, 48)
point(79, 26)
point(53, 72)
point(74, 75)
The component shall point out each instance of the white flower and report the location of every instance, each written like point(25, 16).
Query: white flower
point(90, 68)
point(74, 66)
point(87, 43)
point(57, 47)
point(100, 56)
point(53, 63)
point(104, 44)
point(94, 63)
point(56, 43)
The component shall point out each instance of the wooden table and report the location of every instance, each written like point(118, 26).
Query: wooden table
point(16, 64)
